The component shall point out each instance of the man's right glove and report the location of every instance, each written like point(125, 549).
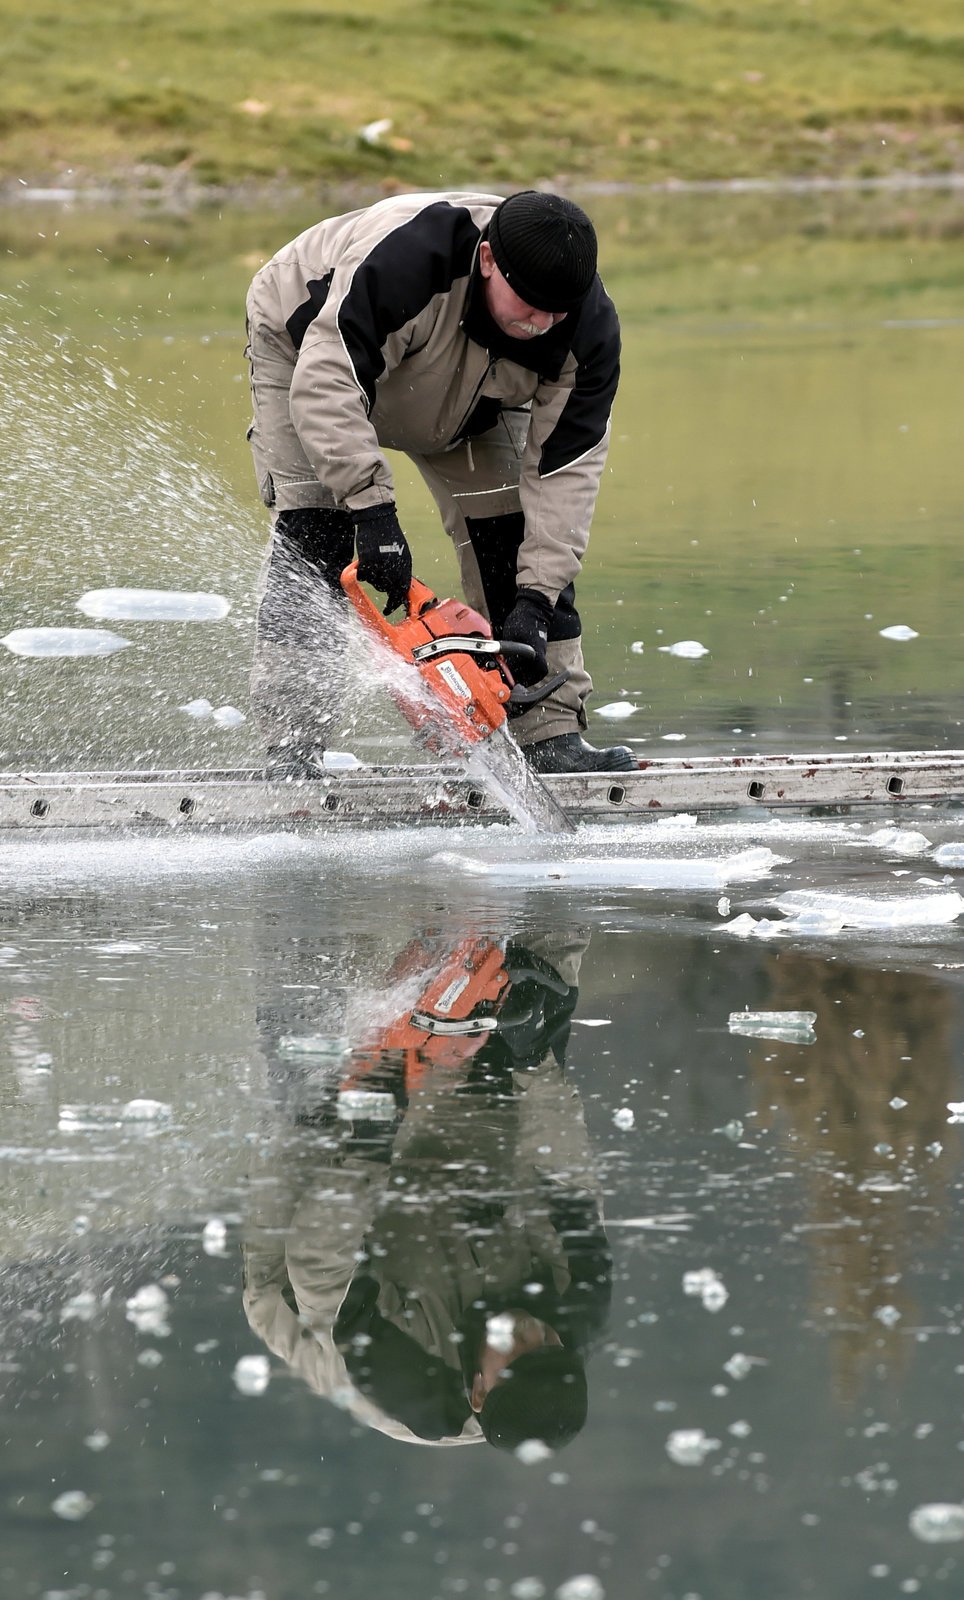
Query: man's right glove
point(528, 623)
point(384, 559)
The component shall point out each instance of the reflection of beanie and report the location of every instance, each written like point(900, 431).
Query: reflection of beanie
point(545, 248)
point(543, 1398)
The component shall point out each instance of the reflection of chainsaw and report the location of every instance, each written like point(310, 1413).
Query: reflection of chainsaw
point(451, 1020)
point(459, 662)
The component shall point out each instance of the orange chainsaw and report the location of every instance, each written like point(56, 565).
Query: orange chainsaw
point(464, 669)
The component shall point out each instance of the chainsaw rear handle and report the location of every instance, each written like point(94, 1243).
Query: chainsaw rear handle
point(418, 599)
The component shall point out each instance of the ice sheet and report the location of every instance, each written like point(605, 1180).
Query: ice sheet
point(621, 873)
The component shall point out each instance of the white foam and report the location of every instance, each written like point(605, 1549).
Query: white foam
point(48, 642)
point(153, 605)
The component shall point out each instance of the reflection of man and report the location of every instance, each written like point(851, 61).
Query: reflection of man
point(432, 1257)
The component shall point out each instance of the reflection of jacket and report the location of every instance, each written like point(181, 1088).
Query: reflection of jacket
point(373, 1278)
point(391, 346)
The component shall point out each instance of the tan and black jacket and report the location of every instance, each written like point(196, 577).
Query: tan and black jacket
point(392, 348)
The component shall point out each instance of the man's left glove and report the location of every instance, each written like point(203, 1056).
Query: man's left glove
point(384, 559)
point(528, 623)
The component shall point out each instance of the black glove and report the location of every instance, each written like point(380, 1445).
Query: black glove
point(384, 559)
point(528, 623)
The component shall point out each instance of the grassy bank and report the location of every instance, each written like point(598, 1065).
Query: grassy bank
point(501, 92)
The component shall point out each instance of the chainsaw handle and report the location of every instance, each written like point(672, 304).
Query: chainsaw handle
point(418, 599)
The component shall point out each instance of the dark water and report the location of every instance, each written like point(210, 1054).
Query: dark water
point(784, 485)
point(827, 1210)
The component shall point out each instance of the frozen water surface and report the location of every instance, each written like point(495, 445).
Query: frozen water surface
point(391, 1112)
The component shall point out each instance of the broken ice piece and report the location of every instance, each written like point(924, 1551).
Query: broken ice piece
point(63, 642)
point(685, 649)
point(706, 1283)
point(340, 761)
point(791, 1027)
point(938, 1523)
point(228, 717)
point(900, 630)
point(950, 855)
point(147, 1309)
point(314, 1044)
point(197, 708)
point(153, 605)
point(532, 1450)
point(739, 1366)
point(616, 710)
point(369, 1105)
point(214, 1237)
point(624, 1118)
point(73, 1505)
point(252, 1375)
point(500, 1332)
point(956, 1109)
point(689, 1447)
point(637, 647)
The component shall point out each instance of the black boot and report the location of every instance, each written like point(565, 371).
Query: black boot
point(292, 763)
point(569, 752)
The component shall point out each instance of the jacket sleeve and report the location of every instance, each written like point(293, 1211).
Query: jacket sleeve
point(381, 298)
point(566, 450)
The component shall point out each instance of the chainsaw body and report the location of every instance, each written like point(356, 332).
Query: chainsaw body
point(460, 664)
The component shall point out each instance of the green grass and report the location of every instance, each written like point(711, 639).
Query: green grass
point(500, 92)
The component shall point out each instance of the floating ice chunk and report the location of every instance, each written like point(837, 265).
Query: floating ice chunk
point(340, 761)
point(81, 1307)
point(888, 1315)
point(88, 1118)
point(897, 1104)
point(98, 1440)
point(956, 1109)
point(899, 841)
point(214, 1237)
point(673, 738)
point(900, 631)
point(531, 1451)
point(950, 855)
point(591, 1022)
point(793, 1027)
point(689, 1447)
point(616, 710)
point(147, 1309)
point(370, 1104)
point(197, 708)
point(314, 1044)
point(685, 649)
point(624, 1118)
point(639, 872)
point(706, 1283)
point(153, 605)
point(862, 911)
point(500, 1332)
point(583, 1587)
point(938, 1523)
point(528, 1589)
point(63, 642)
point(145, 1111)
point(740, 1366)
point(637, 647)
point(73, 1505)
point(252, 1375)
point(150, 1358)
point(228, 717)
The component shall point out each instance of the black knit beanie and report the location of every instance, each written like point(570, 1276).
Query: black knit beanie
point(545, 248)
point(544, 1397)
